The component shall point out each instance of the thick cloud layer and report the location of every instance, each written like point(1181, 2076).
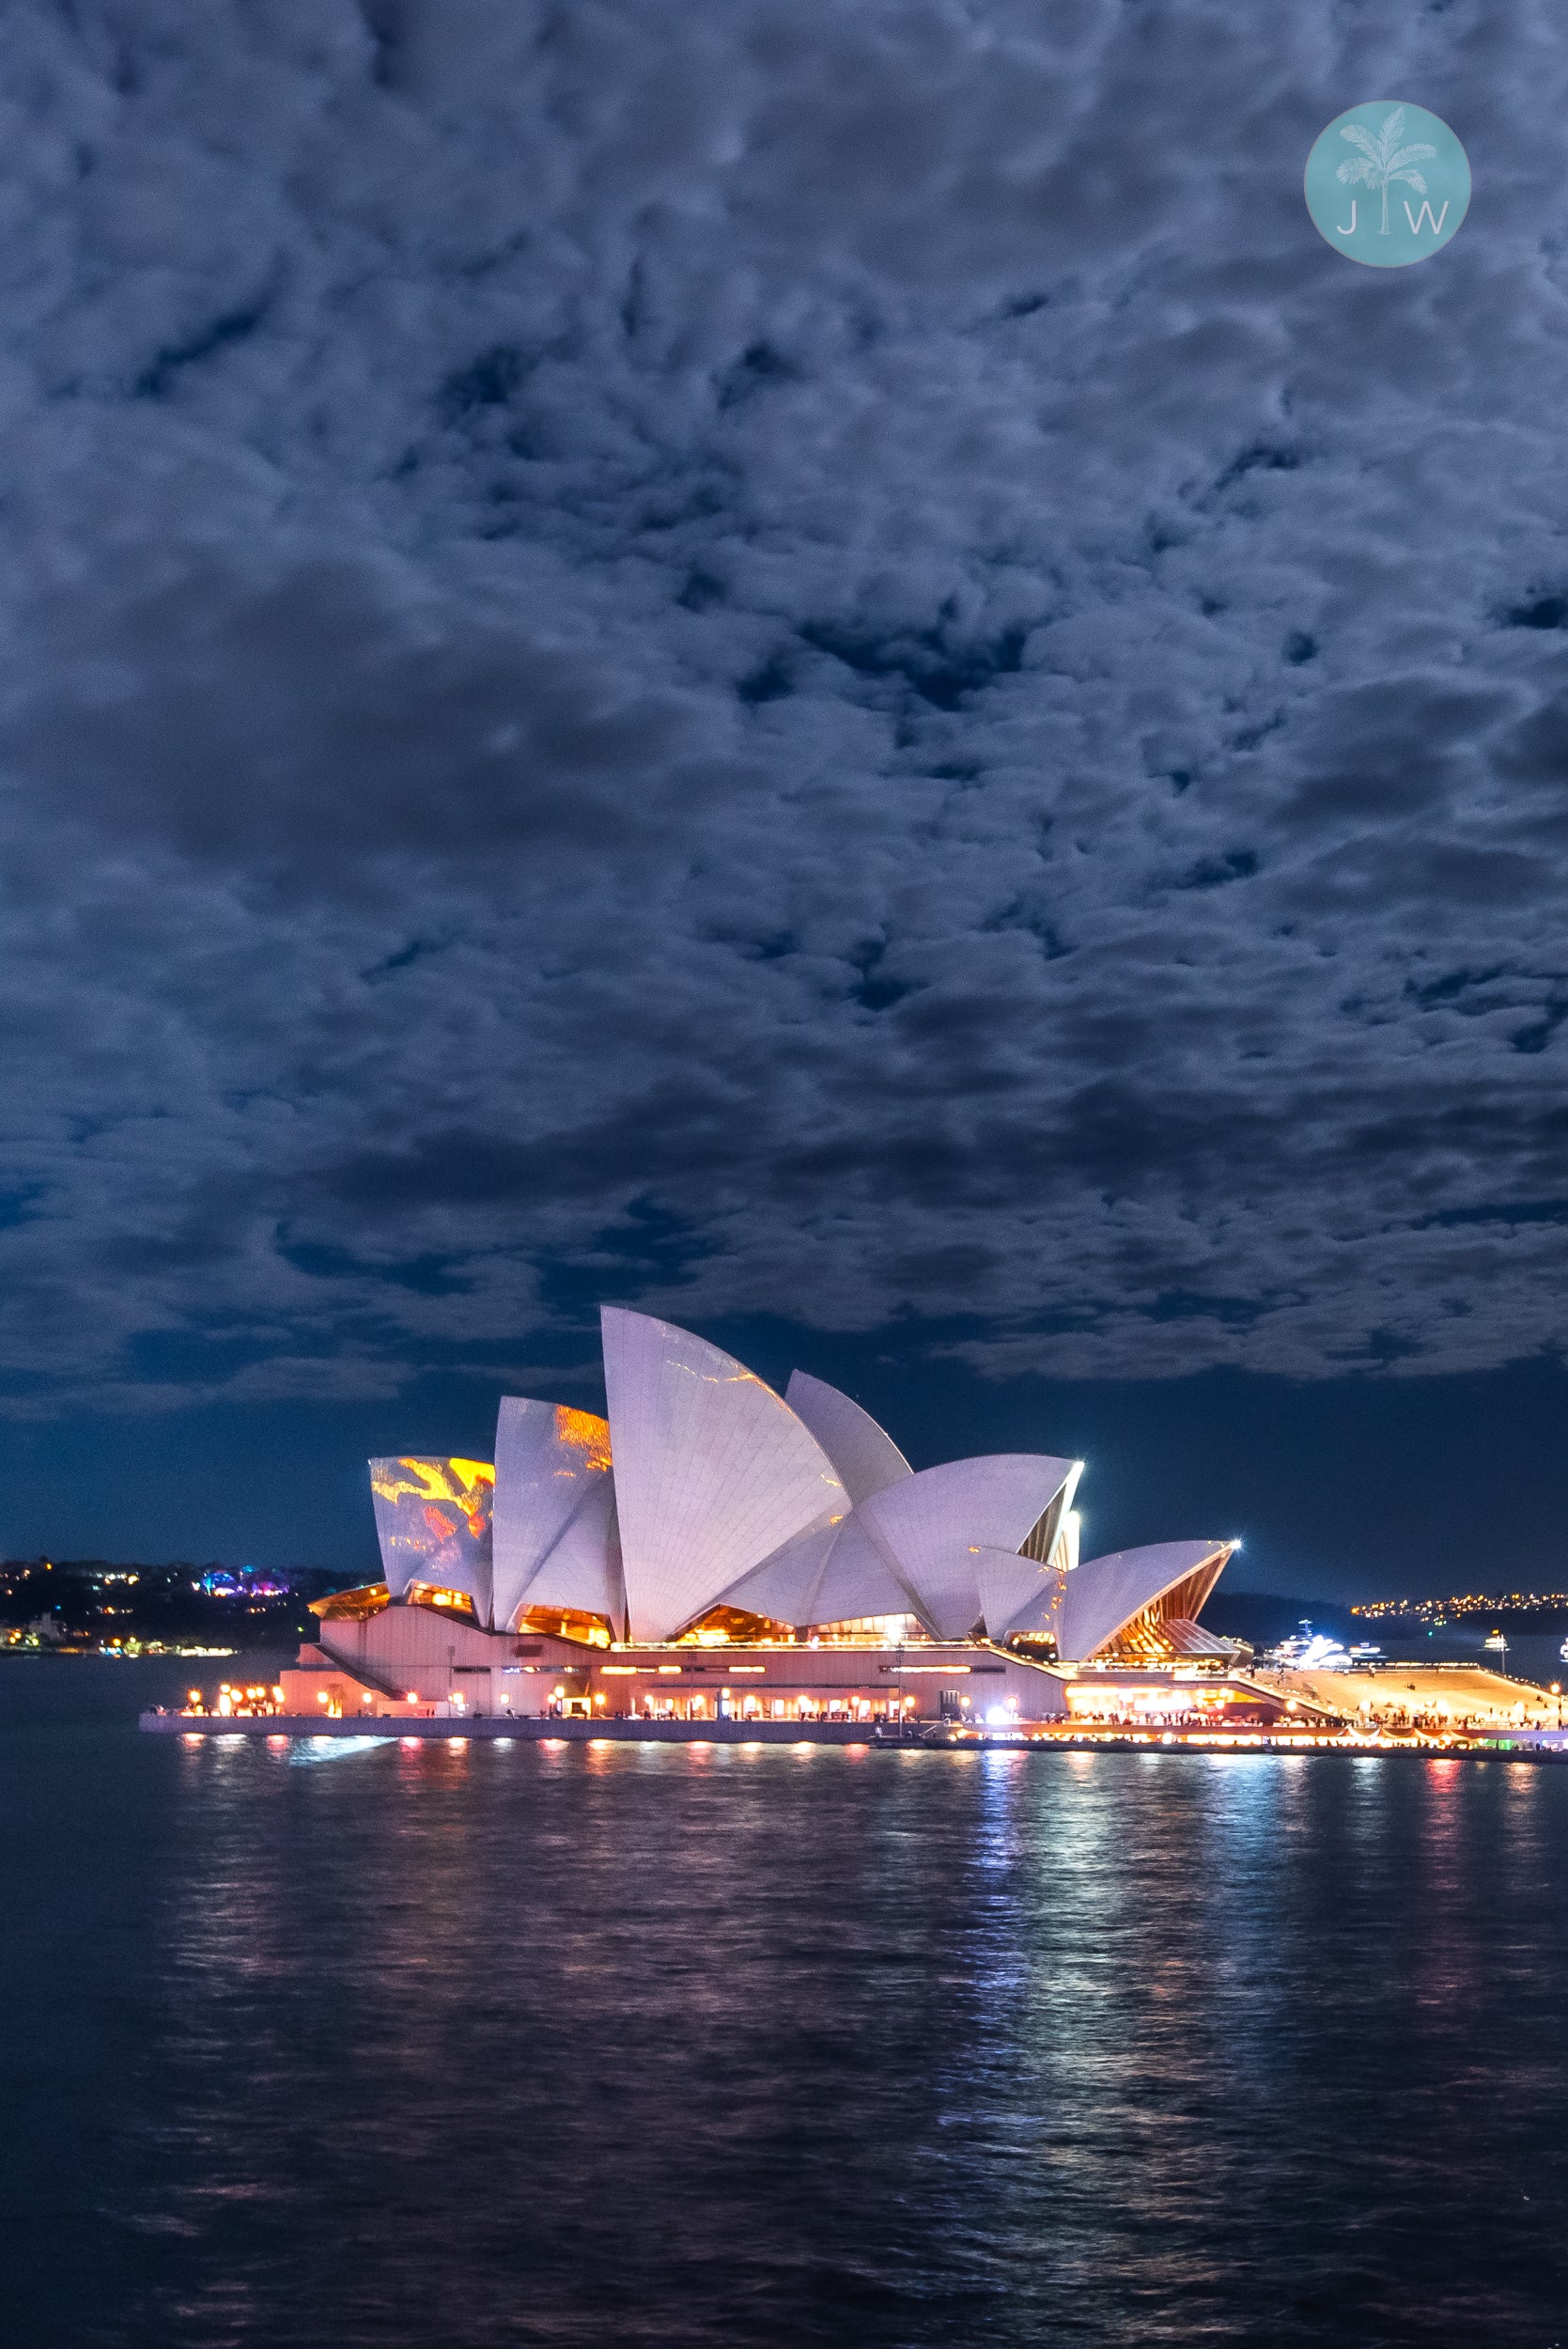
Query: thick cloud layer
point(773, 659)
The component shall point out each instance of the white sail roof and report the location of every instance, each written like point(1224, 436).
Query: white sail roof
point(1103, 1595)
point(859, 1581)
point(1012, 1589)
point(864, 1455)
point(433, 1524)
point(721, 1491)
point(936, 1529)
point(555, 1542)
point(582, 1573)
point(785, 1586)
point(713, 1471)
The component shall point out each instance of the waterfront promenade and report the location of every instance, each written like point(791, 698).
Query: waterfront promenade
point(1544, 1744)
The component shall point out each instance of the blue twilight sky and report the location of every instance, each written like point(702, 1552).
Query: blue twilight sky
point(813, 668)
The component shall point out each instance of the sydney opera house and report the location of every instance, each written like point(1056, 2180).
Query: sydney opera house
point(714, 1551)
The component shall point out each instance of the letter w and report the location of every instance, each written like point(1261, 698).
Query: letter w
point(1416, 218)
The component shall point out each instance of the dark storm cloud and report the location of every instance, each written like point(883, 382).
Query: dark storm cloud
point(313, 726)
point(787, 661)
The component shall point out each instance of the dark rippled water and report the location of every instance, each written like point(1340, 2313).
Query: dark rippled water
point(640, 2047)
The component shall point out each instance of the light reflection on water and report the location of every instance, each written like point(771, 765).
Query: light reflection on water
point(490, 2044)
point(332, 1749)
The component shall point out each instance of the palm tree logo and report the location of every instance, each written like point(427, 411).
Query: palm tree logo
point(1381, 160)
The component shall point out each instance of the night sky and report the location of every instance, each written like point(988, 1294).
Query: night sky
point(814, 667)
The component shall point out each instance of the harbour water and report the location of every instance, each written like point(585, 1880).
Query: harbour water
point(374, 2045)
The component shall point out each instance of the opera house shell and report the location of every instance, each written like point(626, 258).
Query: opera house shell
point(710, 1508)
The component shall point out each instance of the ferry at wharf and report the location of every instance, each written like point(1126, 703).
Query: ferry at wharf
point(716, 1560)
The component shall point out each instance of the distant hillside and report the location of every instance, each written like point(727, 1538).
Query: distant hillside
point(1475, 1612)
point(1263, 1620)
